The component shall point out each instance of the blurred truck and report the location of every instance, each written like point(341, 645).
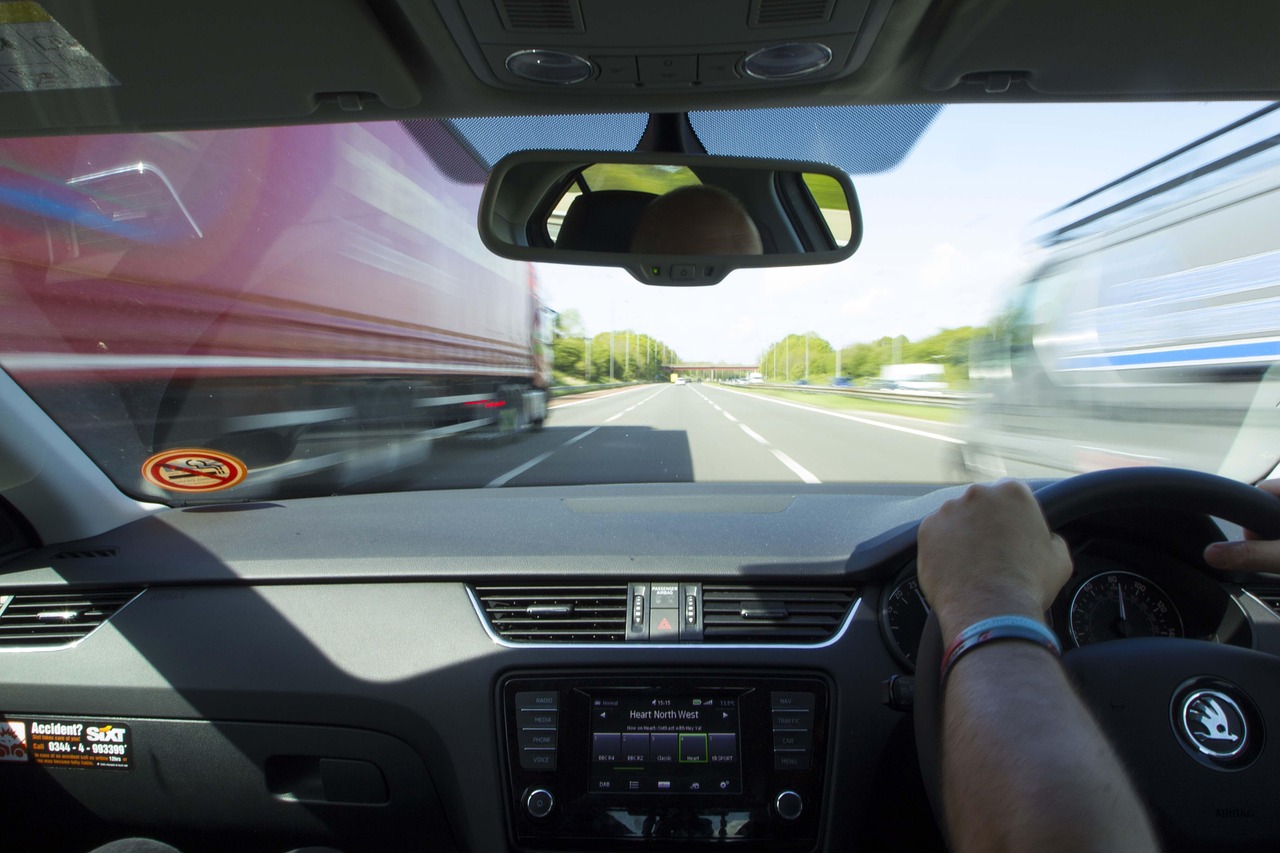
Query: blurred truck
point(318, 302)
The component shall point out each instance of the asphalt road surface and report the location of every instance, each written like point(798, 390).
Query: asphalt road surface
point(700, 432)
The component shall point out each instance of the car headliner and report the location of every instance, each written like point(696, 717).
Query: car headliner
point(241, 62)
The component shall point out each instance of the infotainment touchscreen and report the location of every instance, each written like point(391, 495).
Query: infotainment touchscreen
point(644, 742)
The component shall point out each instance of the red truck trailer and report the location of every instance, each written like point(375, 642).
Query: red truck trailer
point(313, 301)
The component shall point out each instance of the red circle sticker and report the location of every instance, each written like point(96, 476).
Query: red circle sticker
point(193, 470)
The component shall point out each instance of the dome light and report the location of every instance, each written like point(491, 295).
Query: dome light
point(553, 67)
point(783, 61)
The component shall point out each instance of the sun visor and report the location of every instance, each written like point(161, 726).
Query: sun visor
point(73, 66)
point(1100, 47)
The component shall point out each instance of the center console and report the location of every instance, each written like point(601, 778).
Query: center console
point(609, 762)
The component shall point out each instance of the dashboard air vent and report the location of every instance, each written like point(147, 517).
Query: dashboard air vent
point(522, 16)
point(86, 553)
point(557, 614)
point(41, 620)
point(1269, 596)
point(762, 614)
point(782, 13)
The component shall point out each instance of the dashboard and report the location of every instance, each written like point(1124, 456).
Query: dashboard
point(603, 668)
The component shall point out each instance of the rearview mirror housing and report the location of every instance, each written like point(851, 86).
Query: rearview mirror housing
point(668, 219)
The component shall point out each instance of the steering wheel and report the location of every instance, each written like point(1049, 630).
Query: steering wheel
point(1191, 720)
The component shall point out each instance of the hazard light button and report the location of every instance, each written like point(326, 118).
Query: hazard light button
point(664, 625)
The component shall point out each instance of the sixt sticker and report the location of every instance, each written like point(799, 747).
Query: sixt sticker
point(193, 470)
point(37, 54)
point(65, 743)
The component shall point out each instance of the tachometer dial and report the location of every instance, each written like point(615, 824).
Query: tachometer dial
point(904, 614)
point(1115, 605)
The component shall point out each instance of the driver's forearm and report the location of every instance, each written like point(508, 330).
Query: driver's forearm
point(1025, 767)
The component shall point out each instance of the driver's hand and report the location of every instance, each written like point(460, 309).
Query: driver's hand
point(990, 553)
point(1251, 555)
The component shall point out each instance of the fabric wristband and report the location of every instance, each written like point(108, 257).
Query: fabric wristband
point(998, 628)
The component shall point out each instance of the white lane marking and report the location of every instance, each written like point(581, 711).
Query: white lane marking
point(614, 417)
point(714, 406)
point(517, 471)
point(580, 436)
point(799, 470)
point(868, 422)
point(730, 417)
point(601, 397)
point(757, 436)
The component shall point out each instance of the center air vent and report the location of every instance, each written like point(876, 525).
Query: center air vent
point(763, 614)
point(1269, 596)
point(42, 620)
point(525, 16)
point(557, 614)
point(785, 13)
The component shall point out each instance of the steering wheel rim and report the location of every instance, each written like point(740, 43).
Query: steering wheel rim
point(1123, 682)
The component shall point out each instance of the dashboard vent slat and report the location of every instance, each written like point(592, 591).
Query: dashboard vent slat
point(735, 613)
point(36, 620)
point(782, 13)
point(557, 614)
point(522, 16)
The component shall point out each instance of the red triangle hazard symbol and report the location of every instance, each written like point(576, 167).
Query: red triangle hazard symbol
point(664, 625)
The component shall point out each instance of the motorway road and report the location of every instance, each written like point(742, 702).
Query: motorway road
point(700, 432)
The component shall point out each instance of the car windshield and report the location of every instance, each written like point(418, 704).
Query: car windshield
point(294, 311)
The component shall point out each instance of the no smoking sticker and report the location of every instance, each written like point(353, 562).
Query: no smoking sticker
point(193, 470)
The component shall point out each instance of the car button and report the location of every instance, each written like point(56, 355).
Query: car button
point(668, 69)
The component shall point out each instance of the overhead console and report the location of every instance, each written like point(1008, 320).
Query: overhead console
point(608, 762)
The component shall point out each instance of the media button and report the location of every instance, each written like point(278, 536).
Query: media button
point(537, 700)
point(537, 739)
point(537, 719)
point(723, 748)
point(792, 740)
point(605, 748)
point(537, 759)
point(635, 749)
point(693, 749)
point(787, 701)
point(793, 720)
point(664, 748)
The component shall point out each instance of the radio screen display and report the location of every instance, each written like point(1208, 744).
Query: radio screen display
point(642, 743)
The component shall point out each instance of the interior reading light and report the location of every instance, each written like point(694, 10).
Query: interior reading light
point(781, 61)
point(549, 66)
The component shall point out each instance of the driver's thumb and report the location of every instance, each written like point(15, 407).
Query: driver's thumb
point(1251, 555)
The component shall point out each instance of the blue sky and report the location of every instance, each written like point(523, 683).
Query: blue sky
point(947, 233)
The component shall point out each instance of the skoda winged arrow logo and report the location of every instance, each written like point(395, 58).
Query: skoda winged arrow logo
point(1214, 723)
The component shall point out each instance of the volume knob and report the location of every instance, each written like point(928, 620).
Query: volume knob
point(789, 805)
point(538, 803)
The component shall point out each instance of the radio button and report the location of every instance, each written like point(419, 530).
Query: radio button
point(793, 720)
point(723, 748)
point(786, 701)
point(635, 749)
point(792, 740)
point(537, 719)
point(537, 739)
point(693, 749)
point(664, 748)
point(537, 700)
point(537, 759)
point(604, 748)
point(791, 759)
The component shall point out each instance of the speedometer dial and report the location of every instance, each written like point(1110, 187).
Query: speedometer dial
point(904, 614)
point(1115, 605)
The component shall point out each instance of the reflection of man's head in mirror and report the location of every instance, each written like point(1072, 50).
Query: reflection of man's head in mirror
point(696, 220)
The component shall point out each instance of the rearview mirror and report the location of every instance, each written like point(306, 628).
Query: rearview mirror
point(668, 219)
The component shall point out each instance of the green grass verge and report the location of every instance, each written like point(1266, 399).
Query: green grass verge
point(849, 403)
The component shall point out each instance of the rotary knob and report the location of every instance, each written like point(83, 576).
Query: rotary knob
point(789, 805)
point(538, 803)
